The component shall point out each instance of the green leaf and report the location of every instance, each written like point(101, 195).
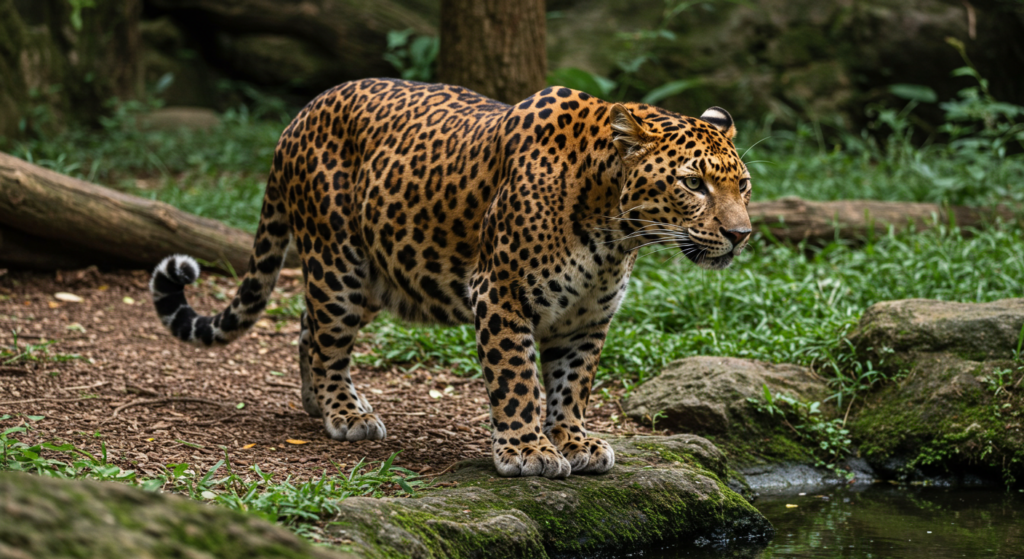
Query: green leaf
point(582, 80)
point(669, 89)
point(914, 92)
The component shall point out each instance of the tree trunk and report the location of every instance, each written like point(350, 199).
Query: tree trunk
point(71, 72)
point(494, 47)
point(13, 91)
point(794, 219)
point(49, 220)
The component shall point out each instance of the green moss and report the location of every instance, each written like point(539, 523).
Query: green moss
point(947, 426)
point(45, 517)
point(524, 517)
point(764, 445)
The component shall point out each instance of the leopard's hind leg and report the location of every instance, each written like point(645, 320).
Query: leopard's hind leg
point(310, 403)
point(339, 302)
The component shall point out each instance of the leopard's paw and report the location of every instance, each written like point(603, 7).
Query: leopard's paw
point(530, 459)
point(589, 456)
point(355, 427)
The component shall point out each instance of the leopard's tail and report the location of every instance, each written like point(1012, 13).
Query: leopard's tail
point(175, 272)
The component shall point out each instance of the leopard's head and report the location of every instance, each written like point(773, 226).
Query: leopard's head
point(683, 182)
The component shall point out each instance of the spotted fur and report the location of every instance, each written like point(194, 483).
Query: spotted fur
point(444, 206)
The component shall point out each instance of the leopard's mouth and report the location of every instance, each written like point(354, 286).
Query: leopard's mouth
point(698, 254)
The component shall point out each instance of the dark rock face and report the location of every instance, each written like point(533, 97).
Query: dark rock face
point(661, 489)
point(45, 517)
point(957, 405)
point(707, 395)
point(818, 59)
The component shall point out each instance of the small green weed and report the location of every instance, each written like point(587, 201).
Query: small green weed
point(32, 352)
point(828, 437)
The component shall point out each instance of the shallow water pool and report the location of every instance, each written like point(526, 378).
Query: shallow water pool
point(881, 521)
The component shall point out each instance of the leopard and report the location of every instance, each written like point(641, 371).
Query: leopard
point(442, 206)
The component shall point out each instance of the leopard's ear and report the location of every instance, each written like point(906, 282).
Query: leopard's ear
point(720, 119)
point(631, 135)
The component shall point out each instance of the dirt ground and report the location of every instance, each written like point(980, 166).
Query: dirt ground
point(154, 401)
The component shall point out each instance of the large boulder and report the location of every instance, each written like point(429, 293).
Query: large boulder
point(661, 489)
point(973, 331)
point(708, 395)
point(46, 517)
point(957, 403)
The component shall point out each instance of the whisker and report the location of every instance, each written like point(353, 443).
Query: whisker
point(752, 147)
point(659, 241)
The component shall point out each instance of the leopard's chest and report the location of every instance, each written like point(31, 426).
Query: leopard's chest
point(586, 293)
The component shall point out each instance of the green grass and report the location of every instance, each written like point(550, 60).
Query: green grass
point(219, 173)
point(299, 506)
point(804, 163)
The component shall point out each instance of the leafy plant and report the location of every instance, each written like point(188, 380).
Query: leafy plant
point(413, 56)
point(76, 12)
point(829, 437)
point(976, 121)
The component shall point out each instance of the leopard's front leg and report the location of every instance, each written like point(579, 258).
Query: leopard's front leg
point(570, 362)
point(507, 355)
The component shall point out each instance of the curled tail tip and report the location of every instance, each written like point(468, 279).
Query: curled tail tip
point(172, 274)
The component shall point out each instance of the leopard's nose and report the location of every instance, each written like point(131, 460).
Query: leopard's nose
point(737, 236)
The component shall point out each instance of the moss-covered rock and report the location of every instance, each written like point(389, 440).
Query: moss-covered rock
point(45, 517)
point(661, 489)
point(708, 395)
point(958, 404)
point(947, 416)
point(974, 331)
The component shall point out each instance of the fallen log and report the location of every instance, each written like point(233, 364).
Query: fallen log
point(795, 219)
point(51, 221)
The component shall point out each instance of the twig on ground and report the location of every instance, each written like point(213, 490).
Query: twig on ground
point(271, 382)
point(86, 387)
point(13, 371)
point(29, 401)
point(170, 400)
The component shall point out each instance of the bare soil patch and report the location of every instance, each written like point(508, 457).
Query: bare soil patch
point(152, 400)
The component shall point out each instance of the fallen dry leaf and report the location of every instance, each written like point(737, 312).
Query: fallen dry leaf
point(67, 297)
point(295, 441)
point(250, 445)
point(53, 304)
point(435, 393)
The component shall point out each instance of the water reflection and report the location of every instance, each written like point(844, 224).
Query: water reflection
point(883, 521)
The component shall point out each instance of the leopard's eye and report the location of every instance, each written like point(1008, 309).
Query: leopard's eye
point(744, 185)
point(693, 183)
